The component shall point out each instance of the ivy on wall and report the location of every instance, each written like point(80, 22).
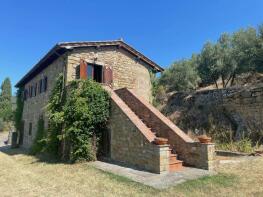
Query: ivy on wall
point(55, 115)
point(78, 115)
point(39, 141)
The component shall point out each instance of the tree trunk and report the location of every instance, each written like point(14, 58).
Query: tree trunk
point(228, 80)
point(233, 79)
point(216, 83)
point(223, 81)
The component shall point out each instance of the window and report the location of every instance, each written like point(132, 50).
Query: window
point(90, 71)
point(35, 90)
point(25, 94)
point(30, 91)
point(40, 86)
point(45, 84)
point(78, 72)
point(30, 129)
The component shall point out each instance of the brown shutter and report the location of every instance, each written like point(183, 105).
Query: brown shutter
point(107, 75)
point(83, 69)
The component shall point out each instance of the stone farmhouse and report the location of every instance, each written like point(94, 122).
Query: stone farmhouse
point(134, 125)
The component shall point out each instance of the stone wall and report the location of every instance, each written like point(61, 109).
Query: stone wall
point(35, 107)
point(248, 102)
point(127, 70)
point(239, 109)
point(131, 143)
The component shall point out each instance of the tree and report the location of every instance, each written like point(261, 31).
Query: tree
point(5, 100)
point(231, 55)
point(259, 50)
point(182, 75)
point(209, 64)
point(244, 44)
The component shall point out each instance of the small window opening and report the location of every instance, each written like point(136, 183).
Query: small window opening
point(30, 129)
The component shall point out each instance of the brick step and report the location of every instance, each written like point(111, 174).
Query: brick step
point(173, 155)
point(173, 159)
point(175, 166)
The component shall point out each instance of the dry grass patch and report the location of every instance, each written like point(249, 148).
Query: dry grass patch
point(24, 175)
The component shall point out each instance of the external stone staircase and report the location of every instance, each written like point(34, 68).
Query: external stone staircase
point(135, 127)
point(128, 97)
point(174, 163)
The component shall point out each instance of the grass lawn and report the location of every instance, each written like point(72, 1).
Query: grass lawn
point(24, 175)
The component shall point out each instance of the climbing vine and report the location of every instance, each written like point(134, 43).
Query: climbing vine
point(19, 111)
point(86, 114)
point(39, 141)
point(56, 116)
point(78, 115)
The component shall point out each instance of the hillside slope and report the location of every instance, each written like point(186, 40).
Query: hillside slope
point(231, 113)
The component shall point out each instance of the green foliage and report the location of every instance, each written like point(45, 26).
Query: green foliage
point(217, 61)
point(245, 145)
point(19, 110)
point(158, 91)
point(86, 114)
point(182, 75)
point(39, 143)
point(77, 116)
point(5, 100)
point(56, 116)
point(232, 54)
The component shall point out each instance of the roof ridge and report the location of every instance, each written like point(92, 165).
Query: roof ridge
point(102, 41)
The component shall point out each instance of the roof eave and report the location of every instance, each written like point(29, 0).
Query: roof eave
point(38, 65)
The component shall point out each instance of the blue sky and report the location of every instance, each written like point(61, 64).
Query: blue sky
point(164, 31)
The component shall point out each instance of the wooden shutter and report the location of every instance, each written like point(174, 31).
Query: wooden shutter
point(83, 69)
point(107, 75)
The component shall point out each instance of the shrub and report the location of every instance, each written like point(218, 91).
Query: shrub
point(78, 115)
point(86, 114)
point(19, 111)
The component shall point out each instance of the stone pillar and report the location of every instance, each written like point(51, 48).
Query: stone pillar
point(207, 156)
point(160, 162)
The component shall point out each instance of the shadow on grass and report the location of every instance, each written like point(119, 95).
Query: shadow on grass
point(42, 157)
